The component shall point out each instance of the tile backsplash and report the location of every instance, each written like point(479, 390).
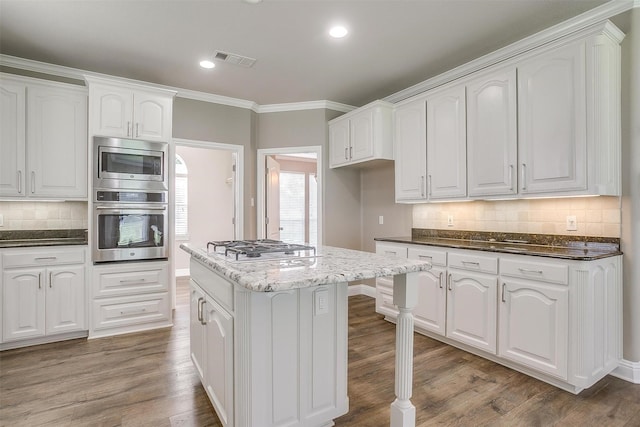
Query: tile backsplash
point(595, 216)
point(43, 215)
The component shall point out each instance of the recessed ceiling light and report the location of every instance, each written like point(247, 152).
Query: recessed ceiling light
point(338, 31)
point(207, 64)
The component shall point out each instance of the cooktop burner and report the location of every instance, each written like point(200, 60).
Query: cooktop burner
point(256, 248)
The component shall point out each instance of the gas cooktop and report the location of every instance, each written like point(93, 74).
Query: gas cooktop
point(253, 249)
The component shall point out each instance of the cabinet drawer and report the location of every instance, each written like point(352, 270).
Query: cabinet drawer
point(467, 261)
point(535, 270)
point(31, 258)
point(434, 256)
point(112, 313)
point(130, 279)
point(216, 286)
point(391, 249)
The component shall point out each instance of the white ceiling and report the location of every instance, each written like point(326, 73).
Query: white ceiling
point(392, 44)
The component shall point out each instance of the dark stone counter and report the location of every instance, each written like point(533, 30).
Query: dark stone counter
point(33, 238)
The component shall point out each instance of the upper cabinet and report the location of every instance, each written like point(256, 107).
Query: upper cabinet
point(43, 145)
point(361, 135)
point(130, 111)
point(543, 123)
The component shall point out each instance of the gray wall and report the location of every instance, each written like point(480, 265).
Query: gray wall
point(630, 24)
point(204, 121)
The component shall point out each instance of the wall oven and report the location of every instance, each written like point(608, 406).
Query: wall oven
point(129, 225)
point(130, 164)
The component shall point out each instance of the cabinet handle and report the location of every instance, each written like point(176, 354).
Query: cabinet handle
point(524, 176)
point(440, 279)
point(526, 270)
point(19, 182)
point(425, 257)
point(391, 253)
point(422, 186)
point(475, 264)
point(202, 320)
point(125, 281)
point(346, 153)
point(133, 311)
point(449, 282)
point(45, 258)
point(137, 130)
point(39, 280)
point(429, 186)
point(350, 152)
point(503, 297)
point(510, 177)
point(200, 309)
point(33, 182)
point(128, 128)
point(50, 280)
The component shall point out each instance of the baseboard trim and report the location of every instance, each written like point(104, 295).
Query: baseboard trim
point(628, 371)
point(361, 289)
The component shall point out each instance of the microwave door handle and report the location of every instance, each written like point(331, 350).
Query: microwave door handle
point(138, 208)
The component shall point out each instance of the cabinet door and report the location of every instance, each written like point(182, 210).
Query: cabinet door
point(57, 142)
point(492, 134)
point(446, 144)
point(23, 302)
point(218, 368)
point(196, 329)
point(471, 309)
point(410, 138)
point(361, 135)
point(65, 299)
point(552, 121)
point(112, 111)
point(12, 138)
point(152, 115)
point(339, 142)
point(534, 325)
point(430, 311)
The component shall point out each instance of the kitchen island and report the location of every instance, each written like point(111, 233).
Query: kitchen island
point(269, 337)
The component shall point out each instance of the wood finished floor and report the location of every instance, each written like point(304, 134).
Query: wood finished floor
point(146, 379)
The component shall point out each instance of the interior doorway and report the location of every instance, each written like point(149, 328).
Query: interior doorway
point(289, 200)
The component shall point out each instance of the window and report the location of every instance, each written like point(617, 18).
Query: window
point(292, 207)
point(182, 192)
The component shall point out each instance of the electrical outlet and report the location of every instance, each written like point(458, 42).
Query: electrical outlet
point(380, 220)
point(572, 223)
point(450, 221)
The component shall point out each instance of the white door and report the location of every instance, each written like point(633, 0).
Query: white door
point(410, 139)
point(113, 112)
point(446, 144)
point(23, 302)
point(57, 142)
point(196, 329)
point(492, 134)
point(12, 138)
point(272, 220)
point(430, 312)
point(534, 325)
point(65, 299)
point(152, 116)
point(552, 121)
point(471, 309)
point(361, 130)
point(339, 143)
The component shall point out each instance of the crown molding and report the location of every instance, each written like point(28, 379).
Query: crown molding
point(83, 75)
point(591, 18)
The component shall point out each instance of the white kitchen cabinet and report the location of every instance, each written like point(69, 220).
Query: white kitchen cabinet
point(492, 134)
point(129, 297)
point(430, 311)
point(552, 121)
point(48, 157)
point(130, 111)
point(410, 147)
point(361, 135)
point(212, 351)
point(384, 285)
point(43, 292)
point(472, 300)
point(446, 144)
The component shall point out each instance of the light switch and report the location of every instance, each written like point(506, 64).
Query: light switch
point(380, 220)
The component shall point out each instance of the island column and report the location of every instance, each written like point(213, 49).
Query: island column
point(405, 296)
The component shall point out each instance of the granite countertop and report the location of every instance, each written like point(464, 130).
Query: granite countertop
point(556, 246)
point(35, 238)
point(331, 266)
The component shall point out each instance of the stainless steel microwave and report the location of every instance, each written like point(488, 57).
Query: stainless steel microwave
point(130, 164)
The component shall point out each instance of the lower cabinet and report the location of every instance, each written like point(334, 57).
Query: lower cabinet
point(211, 328)
point(41, 295)
point(129, 297)
point(556, 320)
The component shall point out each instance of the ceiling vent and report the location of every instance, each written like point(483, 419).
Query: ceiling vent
point(234, 58)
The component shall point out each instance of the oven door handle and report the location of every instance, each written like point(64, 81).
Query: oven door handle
point(132, 207)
